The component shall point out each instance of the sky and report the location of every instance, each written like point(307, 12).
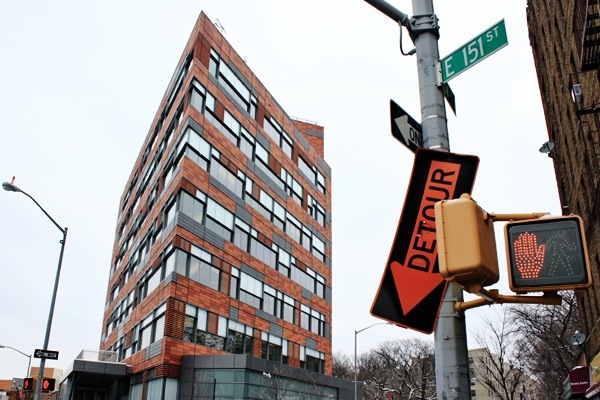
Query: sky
point(80, 83)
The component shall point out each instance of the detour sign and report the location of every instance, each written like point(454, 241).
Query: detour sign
point(412, 289)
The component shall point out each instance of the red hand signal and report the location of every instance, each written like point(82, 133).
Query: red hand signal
point(529, 257)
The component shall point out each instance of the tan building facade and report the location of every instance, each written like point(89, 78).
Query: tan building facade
point(565, 40)
point(485, 369)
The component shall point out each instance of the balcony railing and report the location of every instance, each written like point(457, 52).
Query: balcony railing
point(97, 355)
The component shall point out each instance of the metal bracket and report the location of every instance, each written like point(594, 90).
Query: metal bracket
point(424, 23)
point(492, 296)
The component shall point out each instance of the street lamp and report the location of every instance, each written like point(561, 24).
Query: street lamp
point(19, 351)
point(355, 356)
point(12, 188)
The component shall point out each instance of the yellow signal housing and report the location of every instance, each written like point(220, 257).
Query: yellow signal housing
point(466, 244)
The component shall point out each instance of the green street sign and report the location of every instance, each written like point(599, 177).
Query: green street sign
point(481, 47)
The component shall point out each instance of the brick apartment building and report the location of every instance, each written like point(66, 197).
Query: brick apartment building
point(220, 284)
point(565, 40)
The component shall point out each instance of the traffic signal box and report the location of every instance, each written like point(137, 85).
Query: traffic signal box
point(28, 384)
point(48, 384)
point(547, 254)
point(466, 244)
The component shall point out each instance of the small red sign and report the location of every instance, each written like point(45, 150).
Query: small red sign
point(579, 378)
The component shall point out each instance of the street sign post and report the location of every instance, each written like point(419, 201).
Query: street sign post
point(411, 289)
point(472, 52)
point(46, 354)
point(405, 128)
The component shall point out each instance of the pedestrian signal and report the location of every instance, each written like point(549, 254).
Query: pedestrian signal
point(547, 254)
point(48, 384)
point(28, 384)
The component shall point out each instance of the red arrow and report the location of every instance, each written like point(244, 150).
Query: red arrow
point(417, 276)
point(413, 285)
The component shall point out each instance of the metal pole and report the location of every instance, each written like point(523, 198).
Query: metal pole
point(19, 351)
point(355, 367)
point(451, 354)
point(355, 354)
point(433, 110)
point(38, 386)
point(12, 188)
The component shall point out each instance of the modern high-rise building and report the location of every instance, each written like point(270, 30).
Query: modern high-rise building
point(220, 284)
point(565, 40)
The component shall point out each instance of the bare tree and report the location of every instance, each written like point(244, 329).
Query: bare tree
point(313, 390)
point(498, 363)
point(275, 386)
point(373, 374)
point(404, 368)
point(343, 366)
point(544, 333)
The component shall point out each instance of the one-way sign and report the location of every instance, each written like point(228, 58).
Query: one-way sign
point(405, 128)
point(47, 354)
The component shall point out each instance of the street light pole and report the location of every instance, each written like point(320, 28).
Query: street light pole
point(12, 188)
point(19, 351)
point(355, 354)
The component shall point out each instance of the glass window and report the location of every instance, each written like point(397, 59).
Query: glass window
point(227, 178)
point(251, 290)
point(171, 387)
point(198, 96)
point(235, 283)
point(220, 214)
point(209, 275)
point(262, 154)
point(284, 260)
point(292, 228)
point(318, 248)
point(219, 220)
point(195, 324)
point(170, 213)
point(306, 238)
point(232, 128)
point(307, 170)
point(316, 210)
point(263, 253)
point(152, 327)
point(135, 392)
point(289, 310)
point(234, 86)
point(287, 144)
point(247, 143)
point(239, 337)
point(279, 216)
point(320, 182)
point(273, 348)
point(241, 235)
point(153, 281)
point(312, 360)
point(192, 207)
point(270, 303)
point(304, 317)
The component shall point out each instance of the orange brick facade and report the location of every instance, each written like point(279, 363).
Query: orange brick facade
point(145, 237)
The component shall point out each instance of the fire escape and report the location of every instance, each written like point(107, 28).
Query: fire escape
point(587, 30)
